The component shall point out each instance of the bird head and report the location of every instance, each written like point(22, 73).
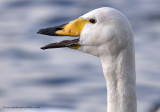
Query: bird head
point(103, 31)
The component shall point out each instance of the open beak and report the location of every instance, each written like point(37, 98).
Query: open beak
point(73, 28)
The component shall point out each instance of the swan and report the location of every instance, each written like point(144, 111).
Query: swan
point(106, 33)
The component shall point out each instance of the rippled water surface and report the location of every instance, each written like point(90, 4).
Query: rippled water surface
point(67, 80)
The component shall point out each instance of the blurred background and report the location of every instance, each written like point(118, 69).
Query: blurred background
point(64, 79)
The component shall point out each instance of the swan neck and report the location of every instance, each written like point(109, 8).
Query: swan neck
point(119, 72)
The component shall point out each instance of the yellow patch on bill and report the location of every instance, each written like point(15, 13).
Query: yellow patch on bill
point(73, 28)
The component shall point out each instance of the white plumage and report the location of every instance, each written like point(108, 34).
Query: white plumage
point(111, 39)
point(107, 34)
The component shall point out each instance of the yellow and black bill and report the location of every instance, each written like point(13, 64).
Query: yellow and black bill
point(52, 31)
point(72, 28)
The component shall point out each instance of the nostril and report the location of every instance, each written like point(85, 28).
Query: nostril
point(59, 28)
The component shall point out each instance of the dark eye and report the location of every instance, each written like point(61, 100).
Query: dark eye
point(92, 21)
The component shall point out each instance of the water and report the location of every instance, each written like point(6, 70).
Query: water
point(64, 79)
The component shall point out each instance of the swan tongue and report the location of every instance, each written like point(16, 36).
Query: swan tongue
point(64, 43)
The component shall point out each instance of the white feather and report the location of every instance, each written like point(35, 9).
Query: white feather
point(111, 39)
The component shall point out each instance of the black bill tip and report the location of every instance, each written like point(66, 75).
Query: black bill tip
point(48, 31)
point(51, 31)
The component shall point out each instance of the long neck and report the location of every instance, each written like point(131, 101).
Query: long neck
point(119, 72)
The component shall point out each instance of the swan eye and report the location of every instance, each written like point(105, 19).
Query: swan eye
point(92, 21)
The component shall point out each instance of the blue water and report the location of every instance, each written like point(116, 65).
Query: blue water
point(66, 79)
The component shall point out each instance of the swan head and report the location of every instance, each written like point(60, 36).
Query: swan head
point(103, 31)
